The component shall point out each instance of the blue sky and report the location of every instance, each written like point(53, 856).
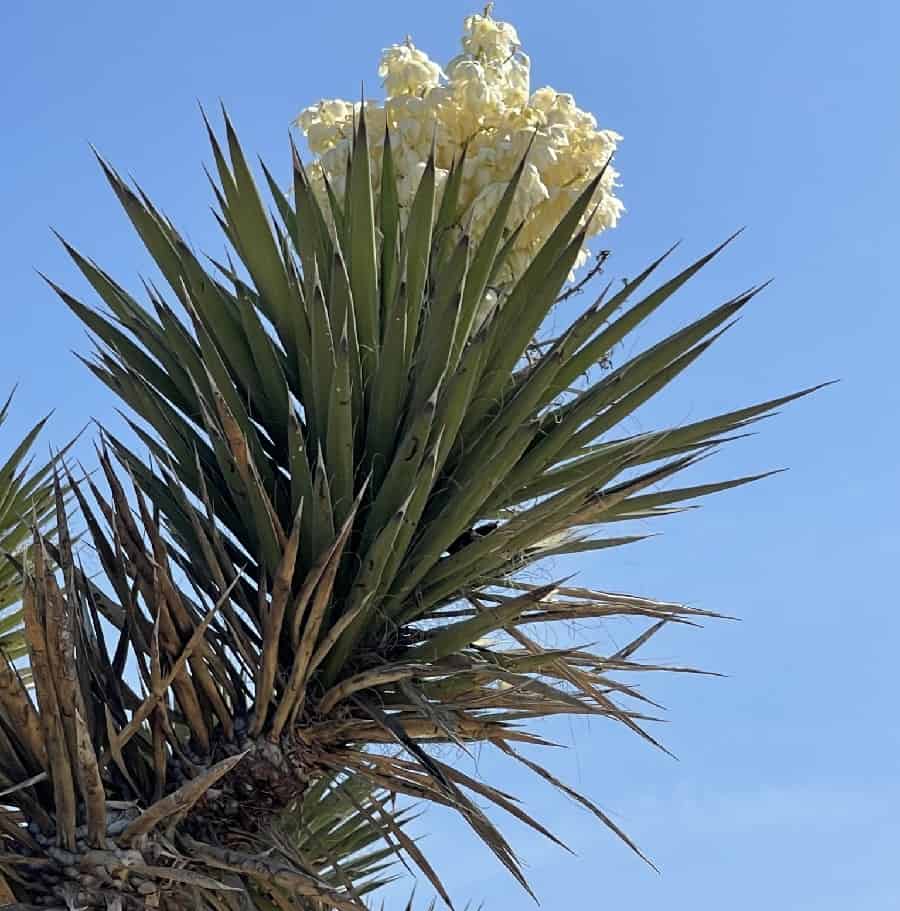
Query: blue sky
point(781, 115)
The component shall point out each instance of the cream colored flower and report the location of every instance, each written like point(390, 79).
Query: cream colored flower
point(405, 70)
point(482, 100)
point(485, 37)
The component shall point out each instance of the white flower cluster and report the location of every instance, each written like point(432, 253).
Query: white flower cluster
point(483, 100)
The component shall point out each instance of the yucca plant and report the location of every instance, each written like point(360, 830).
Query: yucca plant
point(26, 498)
point(325, 566)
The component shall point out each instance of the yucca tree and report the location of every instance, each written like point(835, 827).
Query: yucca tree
point(26, 498)
point(318, 573)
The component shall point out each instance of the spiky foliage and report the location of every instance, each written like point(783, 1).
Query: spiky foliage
point(353, 464)
point(108, 801)
point(26, 496)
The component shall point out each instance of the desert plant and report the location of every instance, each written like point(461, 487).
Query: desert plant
point(320, 574)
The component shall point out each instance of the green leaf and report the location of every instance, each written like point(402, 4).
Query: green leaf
point(417, 244)
point(339, 437)
point(361, 260)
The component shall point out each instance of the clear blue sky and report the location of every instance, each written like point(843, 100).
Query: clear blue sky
point(781, 115)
